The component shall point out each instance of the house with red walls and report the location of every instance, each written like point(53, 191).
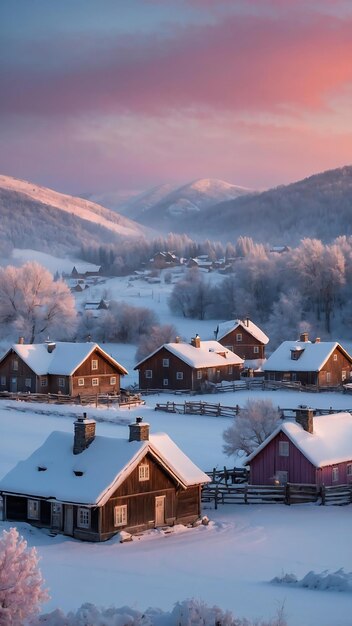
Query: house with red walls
point(312, 449)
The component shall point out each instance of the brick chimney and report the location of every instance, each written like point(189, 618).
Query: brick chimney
point(195, 341)
point(84, 433)
point(138, 430)
point(304, 417)
point(21, 340)
point(303, 337)
point(50, 346)
point(317, 340)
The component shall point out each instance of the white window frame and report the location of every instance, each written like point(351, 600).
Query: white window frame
point(238, 336)
point(149, 373)
point(165, 382)
point(284, 448)
point(95, 382)
point(166, 362)
point(120, 515)
point(256, 349)
point(80, 382)
point(44, 382)
point(199, 374)
point(349, 469)
point(61, 382)
point(335, 474)
point(335, 357)
point(328, 377)
point(15, 365)
point(83, 517)
point(179, 375)
point(94, 364)
point(3, 381)
point(143, 472)
point(33, 509)
point(343, 375)
point(28, 382)
point(113, 380)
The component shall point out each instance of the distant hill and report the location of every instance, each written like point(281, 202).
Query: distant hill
point(319, 206)
point(40, 218)
point(131, 203)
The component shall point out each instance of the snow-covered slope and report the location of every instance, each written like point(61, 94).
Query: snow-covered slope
point(132, 203)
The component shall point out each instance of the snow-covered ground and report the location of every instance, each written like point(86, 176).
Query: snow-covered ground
point(230, 563)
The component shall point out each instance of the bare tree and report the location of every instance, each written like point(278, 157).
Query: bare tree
point(251, 427)
point(154, 339)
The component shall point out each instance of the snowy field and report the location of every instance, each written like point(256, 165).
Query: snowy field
point(229, 563)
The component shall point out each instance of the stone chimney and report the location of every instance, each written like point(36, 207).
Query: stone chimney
point(304, 417)
point(195, 341)
point(246, 321)
point(21, 340)
point(303, 337)
point(50, 346)
point(317, 340)
point(138, 430)
point(177, 340)
point(84, 433)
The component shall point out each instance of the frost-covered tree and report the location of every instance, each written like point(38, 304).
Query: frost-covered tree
point(21, 582)
point(154, 339)
point(192, 296)
point(257, 420)
point(33, 305)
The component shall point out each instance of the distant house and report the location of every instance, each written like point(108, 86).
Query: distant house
point(99, 305)
point(164, 259)
point(321, 363)
point(311, 450)
point(242, 337)
point(84, 271)
point(61, 367)
point(192, 366)
point(92, 487)
point(202, 262)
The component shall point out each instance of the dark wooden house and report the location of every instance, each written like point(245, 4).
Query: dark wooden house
point(194, 366)
point(320, 363)
point(92, 487)
point(242, 337)
point(63, 367)
point(315, 450)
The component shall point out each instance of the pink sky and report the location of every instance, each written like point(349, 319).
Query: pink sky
point(255, 93)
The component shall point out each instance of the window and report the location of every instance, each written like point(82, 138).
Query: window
point(95, 382)
point(120, 515)
point(239, 337)
point(28, 382)
point(33, 509)
point(294, 376)
point(3, 380)
point(349, 469)
point(343, 375)
point(229, 369)
point(199, 375)
point(256, 349)
point(15, 365)
point(83, 517)
point(283, 448)
point(335, 357)
point(179, 375)
point(165, 382)
point(149, 373)
point(335, 474)
point(112, 380)
point(61, 382)
point(166, 362)
point(281, 478)
point(94, 364)
point(143, 472)
point(80, 382)
point(328, 377)
point(44, 382)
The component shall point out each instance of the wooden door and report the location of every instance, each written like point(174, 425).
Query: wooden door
point(68, 530)
point(56, 515)
point(159, 510)
point(13, 384)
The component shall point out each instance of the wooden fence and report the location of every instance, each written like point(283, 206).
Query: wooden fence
point(198, 408)
point(123, 401)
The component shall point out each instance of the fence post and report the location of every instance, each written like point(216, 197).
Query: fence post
point(246, 494)
point(323, 495)
point(287, 494)
point(216, 497)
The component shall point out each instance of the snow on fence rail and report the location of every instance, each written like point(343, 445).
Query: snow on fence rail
point(81, 399)
point(198, 408)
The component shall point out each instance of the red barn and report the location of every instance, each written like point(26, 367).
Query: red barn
point(242, 337)
point(311, 450)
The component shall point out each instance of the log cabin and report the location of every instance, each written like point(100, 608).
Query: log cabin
point(91, 487)
point(242, 337)
point(60, 367)
point(195, 366)
point(314, 450)
point(320, 363)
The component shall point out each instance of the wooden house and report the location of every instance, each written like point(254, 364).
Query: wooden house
point(315, 450)
point(92, 487)
point(62, 367)
point(242, 337)
point(320, 363)
point(194, 366)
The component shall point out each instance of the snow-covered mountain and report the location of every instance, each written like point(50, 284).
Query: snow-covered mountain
point(132, 203)
point(38, 217)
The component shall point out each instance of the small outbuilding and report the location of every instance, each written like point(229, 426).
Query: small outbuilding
point(91, 487)
point(242, 337)
point(312, 449)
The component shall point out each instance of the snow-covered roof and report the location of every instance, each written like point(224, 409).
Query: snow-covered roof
point(105, 464)
point(209, 354)
point(329, 444)
point(312, 357)
point(63, 360)
point(224, 328)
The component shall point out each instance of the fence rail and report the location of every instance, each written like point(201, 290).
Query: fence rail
point(121, 400)
point(198, 408)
